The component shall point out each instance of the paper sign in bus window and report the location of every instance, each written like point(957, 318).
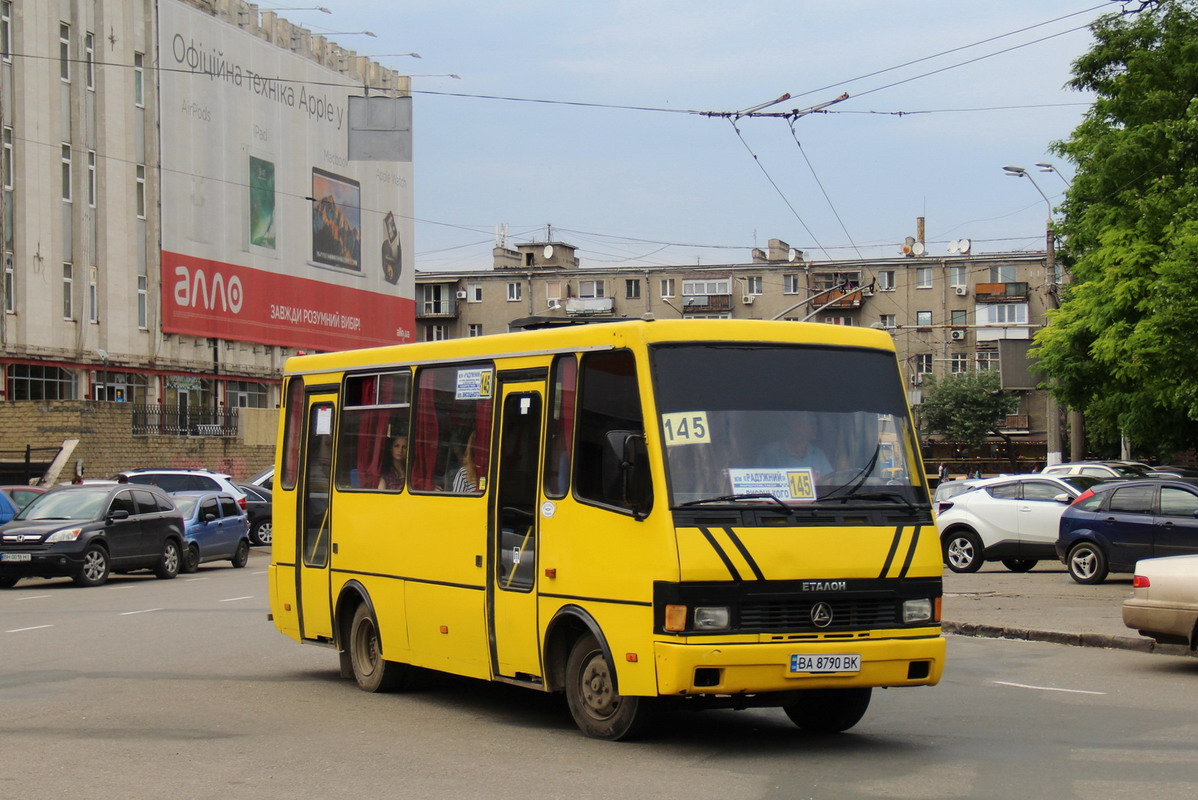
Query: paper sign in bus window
point(686, 427)
point(784, 484)
point(474, 384)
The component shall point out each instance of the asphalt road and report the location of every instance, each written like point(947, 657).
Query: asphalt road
point(147, 688)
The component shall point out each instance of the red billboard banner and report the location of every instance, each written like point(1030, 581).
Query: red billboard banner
point(201, 297)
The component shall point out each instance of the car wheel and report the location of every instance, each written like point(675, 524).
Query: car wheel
point(1019, 564)
point(598, 709)
point(1087, 563)
point(169, 563)
point(260, 533)
point(963, 551)
point(94, 571)
point(191, 560)
point(372, 672)
point(8, 582)
point(828, 710)
point(242, 555)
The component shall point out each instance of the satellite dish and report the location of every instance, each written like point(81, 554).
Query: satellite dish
point(548, 251)
point(791, 253)
point(954, 246)
point(917, 248)
point(964, 245)
point(906, 249)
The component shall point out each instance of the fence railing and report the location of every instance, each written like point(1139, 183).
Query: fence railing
point(152, 419)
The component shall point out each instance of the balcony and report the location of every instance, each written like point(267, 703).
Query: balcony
point(838, 298)
point(437, 309)
point(161, 420)
point(1015, 423)
point(707, 302)
point(589, 306)
point(1015, 292)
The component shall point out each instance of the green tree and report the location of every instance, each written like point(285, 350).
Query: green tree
point(966, 407)
point(1121, 345)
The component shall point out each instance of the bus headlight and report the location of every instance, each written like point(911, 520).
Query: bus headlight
point(711, 618)
point(917, 610)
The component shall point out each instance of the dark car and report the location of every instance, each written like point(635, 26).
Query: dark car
point(215, 529)
point(87, 532)
point(1112, 526)
point(21, 495)
point(258, 506)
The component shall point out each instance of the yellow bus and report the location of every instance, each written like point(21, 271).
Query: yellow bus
point(637, 514)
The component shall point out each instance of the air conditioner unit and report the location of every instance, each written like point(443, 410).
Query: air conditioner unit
point(461, 294)
point(555, 303)
point(748, 299)
point(916, 379)
point(957, 335)
point(961, 291)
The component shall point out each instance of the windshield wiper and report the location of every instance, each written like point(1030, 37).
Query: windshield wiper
point(897, 497)
point(729, 498)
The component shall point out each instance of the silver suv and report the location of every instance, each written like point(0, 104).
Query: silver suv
point(184, 480)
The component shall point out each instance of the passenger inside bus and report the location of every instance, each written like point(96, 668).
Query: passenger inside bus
point(392, 472)
point(464, 476)
point(796, 446)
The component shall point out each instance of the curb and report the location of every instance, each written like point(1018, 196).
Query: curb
point(1136, 643)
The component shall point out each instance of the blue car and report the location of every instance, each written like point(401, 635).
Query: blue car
point(216, 528)
point(1113, 525)
point(7, 509)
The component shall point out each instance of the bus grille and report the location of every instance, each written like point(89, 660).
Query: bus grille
point(795, 615)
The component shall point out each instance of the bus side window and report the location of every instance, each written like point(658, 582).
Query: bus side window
point(372, 448)
point(561, 426)
point(293, 433)
point(451, 421)
point(609, 401)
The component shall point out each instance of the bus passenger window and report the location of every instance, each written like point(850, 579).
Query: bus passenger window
point(609, 413)
point(372, 444)
point(561, 426)
point(451, 429)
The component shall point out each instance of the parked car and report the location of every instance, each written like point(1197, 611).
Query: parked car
point(8, 509)
point(87, 532)
point(1164, 601)
point(1112, 526)
point(265, 478)
point(20, 494)
point(215, 529)
point(258, 506)
point(947, 490)
point(1107, 470)
point(1012, 519)
point(184, 480)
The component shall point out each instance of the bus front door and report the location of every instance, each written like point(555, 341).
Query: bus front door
point(515, 643)
point(315, 520)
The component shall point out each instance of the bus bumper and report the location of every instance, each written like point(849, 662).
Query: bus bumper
point(707, 668)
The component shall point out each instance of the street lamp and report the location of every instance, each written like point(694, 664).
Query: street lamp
point(1014, 171)
point(1046, 167)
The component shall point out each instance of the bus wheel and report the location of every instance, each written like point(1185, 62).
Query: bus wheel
point(371, 671)
point(599, 711)
point(828, 710)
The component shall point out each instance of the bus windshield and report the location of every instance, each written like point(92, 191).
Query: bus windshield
point(790, 423)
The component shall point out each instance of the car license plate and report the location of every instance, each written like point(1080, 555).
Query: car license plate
point(828, 662)
point(16, 557)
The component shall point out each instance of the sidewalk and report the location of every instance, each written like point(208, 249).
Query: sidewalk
point(1044, 605)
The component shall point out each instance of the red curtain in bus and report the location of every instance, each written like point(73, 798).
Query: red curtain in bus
point(424, 445)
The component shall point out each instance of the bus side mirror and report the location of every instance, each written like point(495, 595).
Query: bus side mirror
point(633, 479)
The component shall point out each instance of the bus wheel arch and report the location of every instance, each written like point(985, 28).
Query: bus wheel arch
point(568, 625)
point(360, 644)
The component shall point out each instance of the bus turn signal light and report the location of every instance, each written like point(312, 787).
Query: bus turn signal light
point(675, 618)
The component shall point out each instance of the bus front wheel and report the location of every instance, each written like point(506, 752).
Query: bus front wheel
point(598, 709)
point(828, 710)
point(372, 672)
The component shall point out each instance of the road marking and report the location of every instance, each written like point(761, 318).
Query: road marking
point(263, 572)
point(1046, 688)
point(33, 597)
point(195, 579)
point(117, 588)
point(34, 628)
point(231, 599)
point(142, 611)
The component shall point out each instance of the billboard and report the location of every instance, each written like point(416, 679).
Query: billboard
point(270, 232)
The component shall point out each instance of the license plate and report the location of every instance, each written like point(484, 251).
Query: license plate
point(828, 662)
point(16, 557)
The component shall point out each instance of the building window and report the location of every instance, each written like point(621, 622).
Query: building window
point(591, 289)
point(753, 284)
point(667, 287)
point(553, 293)
point(923, 277)
point(886, 280)
point(8, 163)
point(700, 287)
point(64, 52)
point(838, 320)
point(790, 283)
point(31, 382)
point(923, 319)
point(515, 290)
point(433, 299)
point(889, 321)
point(139, 79)
point(435, 333)
point(959, 318)
point(10, 284)
point(93, 294)
point(475, 329)
point(958, 363)
point(1002, 274)
point(6, 30)
point(66, 173)
point(143, 296)
point(474, 293)
point(68, 286)
point(247, 394)
point(91, 178)
point(923, 363)
point(632, 288)
point(987, 360)
point(1004, 314)
point(140, 191)
point(957, 276)
point(89, 60)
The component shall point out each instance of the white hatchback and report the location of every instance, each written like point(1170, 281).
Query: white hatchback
point(1012, 519)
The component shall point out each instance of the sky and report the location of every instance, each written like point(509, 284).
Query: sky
point(570, 122)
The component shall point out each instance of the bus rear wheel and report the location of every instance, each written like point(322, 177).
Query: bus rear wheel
point(372, 672)
point(828, 710)
point(598, 709)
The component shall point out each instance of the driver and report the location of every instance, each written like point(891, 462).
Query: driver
point(795, 448)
